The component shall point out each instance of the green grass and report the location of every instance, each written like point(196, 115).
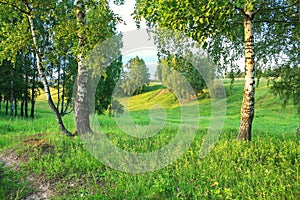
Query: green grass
point(266, 168)
point(13, 184)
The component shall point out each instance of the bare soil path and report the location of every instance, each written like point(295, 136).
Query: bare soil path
point(41, 188)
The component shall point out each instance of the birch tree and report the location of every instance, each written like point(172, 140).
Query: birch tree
point(26, 14)
point(44, 26)
point(230, 30)
point(95, 23)
point(81, 106)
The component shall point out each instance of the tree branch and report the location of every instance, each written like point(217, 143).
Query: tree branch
point(260, 8)
point(15, 6)
point(237, 8)
point(27, 5)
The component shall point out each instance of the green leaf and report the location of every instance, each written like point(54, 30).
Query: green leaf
point(250, 6)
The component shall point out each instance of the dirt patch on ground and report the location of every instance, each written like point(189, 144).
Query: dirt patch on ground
point(38, 143)
point(12, 160)
point(41, 189)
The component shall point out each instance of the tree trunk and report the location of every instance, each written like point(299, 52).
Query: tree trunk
point(63, 88)
point(247, 110)
point(12, 98)
point(22, 106)
point(67, 107)
point(298, 131)
point(33, 91)
point(44, 79)
point(81, 107)
point(58, 86)
point(6, 108)
point(26, 95)
point(16, 107)
point(62, 99)
point(0, 100)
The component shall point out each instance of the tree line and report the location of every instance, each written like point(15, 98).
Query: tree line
point(18, 84)
point(43, 45)
point(55, 37)
point(263, 32)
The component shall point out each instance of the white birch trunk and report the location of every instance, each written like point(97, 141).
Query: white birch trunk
point(44, 79)
point(247, 110)
point(81, 106)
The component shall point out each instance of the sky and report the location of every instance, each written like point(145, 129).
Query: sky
point(143, 47)
point(125, 11)
point(149, 55)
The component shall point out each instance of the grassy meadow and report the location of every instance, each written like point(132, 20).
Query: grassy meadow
point(266, 168)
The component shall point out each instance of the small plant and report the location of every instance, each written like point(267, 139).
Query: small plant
point(13, 185)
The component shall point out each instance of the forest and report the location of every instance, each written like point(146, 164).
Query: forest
point(219, 119)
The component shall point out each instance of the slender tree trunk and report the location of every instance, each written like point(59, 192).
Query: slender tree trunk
point(67, 107)
point(26, 95)
point(298, 131)
point(0, 100)
point(33, 91)
point(62, 99)
point(22, 105)
point(247, 110)
point(44, 79)
point(16, 107)
point(12, 98)
point(58, 86)
point(6, 108)
point(81, 107)
point(63, 88)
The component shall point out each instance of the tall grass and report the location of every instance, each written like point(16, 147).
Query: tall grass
point(266, 168)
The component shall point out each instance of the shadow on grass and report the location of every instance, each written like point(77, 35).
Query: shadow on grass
point(150, 88)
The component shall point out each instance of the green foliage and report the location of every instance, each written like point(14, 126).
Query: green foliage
point(67, 71)
point(13, 184)
point(286, 84)
point(5, 83)
point(105, 88)
point(180, 77)
point(276, 26)
point(220, 27)
point(17, 81)
point(134, 78)
point(234, 74)
point(116, 108)
point(286, 76)
point(268, 167)
point(57, 35)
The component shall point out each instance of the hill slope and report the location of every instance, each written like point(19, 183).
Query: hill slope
point(266, 168)
point(270, 116)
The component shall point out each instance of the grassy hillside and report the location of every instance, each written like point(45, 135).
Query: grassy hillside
point(269, 114)
point(266, 168)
